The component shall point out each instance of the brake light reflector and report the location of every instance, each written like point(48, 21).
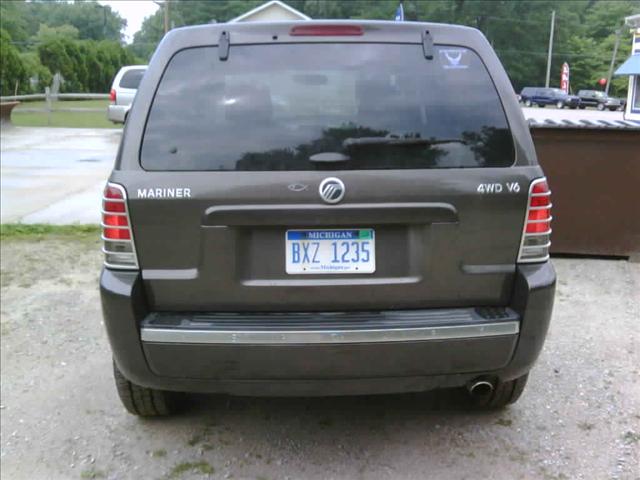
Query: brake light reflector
point(326, 30)
point(112, 96)
point(117, 207)
point(119, 249)
point(115, 220)
point(536, 233)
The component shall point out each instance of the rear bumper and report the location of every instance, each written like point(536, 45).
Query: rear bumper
point(325, 354)
point(117, 113)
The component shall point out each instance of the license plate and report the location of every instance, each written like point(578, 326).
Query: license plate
point(330, 251)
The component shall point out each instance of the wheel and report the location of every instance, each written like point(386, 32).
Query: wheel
point(582, 107)
point(541, 105)
point(527, 103)
point(560, 105)
point(600, 107)
point(142, 401)
point(503, 394)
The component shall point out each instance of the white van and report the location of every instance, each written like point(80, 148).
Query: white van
point(123, 91)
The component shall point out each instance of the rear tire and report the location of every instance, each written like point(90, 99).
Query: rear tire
point(503, 394)
point(527, 103)
point(600, 107)
point(142, 401)
point(582, 107)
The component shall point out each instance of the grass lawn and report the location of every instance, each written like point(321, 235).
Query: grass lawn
point(39, 231)
point(64, 119)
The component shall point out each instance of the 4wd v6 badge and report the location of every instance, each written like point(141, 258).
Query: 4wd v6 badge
point(510, 187)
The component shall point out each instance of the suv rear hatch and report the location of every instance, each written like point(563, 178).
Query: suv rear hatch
point(235, 150)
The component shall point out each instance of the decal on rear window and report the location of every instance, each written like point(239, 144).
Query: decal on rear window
point(453, 59)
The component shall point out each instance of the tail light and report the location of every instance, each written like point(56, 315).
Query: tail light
point(112, 96)
point(119, 248)
point(536, 234)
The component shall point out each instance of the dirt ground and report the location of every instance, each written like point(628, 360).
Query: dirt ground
point(579, 417)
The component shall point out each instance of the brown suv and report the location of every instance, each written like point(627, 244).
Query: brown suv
point(325, 208)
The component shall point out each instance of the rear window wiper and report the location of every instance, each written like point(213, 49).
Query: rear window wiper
point(397, 140)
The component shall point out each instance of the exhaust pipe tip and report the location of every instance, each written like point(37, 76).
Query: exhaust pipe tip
point(481, 388)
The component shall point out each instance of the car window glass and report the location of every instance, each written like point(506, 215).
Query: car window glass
point(131, 78)
point(274, 107)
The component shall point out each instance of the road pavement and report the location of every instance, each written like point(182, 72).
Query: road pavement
point(553, 113)
point(54, 175)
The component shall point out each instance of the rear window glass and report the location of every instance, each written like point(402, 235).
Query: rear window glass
point(325, 106)
point(131, 79)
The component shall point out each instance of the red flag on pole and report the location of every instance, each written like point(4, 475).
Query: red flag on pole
point(564, 78)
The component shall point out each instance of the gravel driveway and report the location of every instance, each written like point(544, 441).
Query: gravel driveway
point(578, 418)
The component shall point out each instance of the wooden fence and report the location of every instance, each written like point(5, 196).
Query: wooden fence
point(49, 98)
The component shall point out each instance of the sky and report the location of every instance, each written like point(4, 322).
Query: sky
point(133, 11)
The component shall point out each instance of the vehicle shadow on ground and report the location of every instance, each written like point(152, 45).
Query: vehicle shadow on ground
point(345, 412)
point(326, 428)
point(445, 400)
point(348, 436)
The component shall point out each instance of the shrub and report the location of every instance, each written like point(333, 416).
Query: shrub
point(12, 70)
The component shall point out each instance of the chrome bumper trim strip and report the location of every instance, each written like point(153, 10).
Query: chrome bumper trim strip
point(269, 337)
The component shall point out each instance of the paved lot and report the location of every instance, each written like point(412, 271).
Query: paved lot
point(54, 175)
point(578, 419)
point(553, 113)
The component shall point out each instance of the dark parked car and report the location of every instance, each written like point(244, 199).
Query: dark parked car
point(316, 210)
point(548, 96)
point(623, 103)
point(598, 99)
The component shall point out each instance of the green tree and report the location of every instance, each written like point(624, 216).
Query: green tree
point(13, 22)
point(518, 30)
point(12, 71)
point(147, 38)
point(54, 55)
point(85, 65)
point(22, 19)
point(46, 33)
point(35, 69)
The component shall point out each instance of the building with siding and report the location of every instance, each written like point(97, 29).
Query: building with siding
point(273, 11)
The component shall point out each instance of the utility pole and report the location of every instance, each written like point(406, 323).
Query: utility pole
point(553, 24)
point(166, 16)
point(165, 8)
point(613, 61)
